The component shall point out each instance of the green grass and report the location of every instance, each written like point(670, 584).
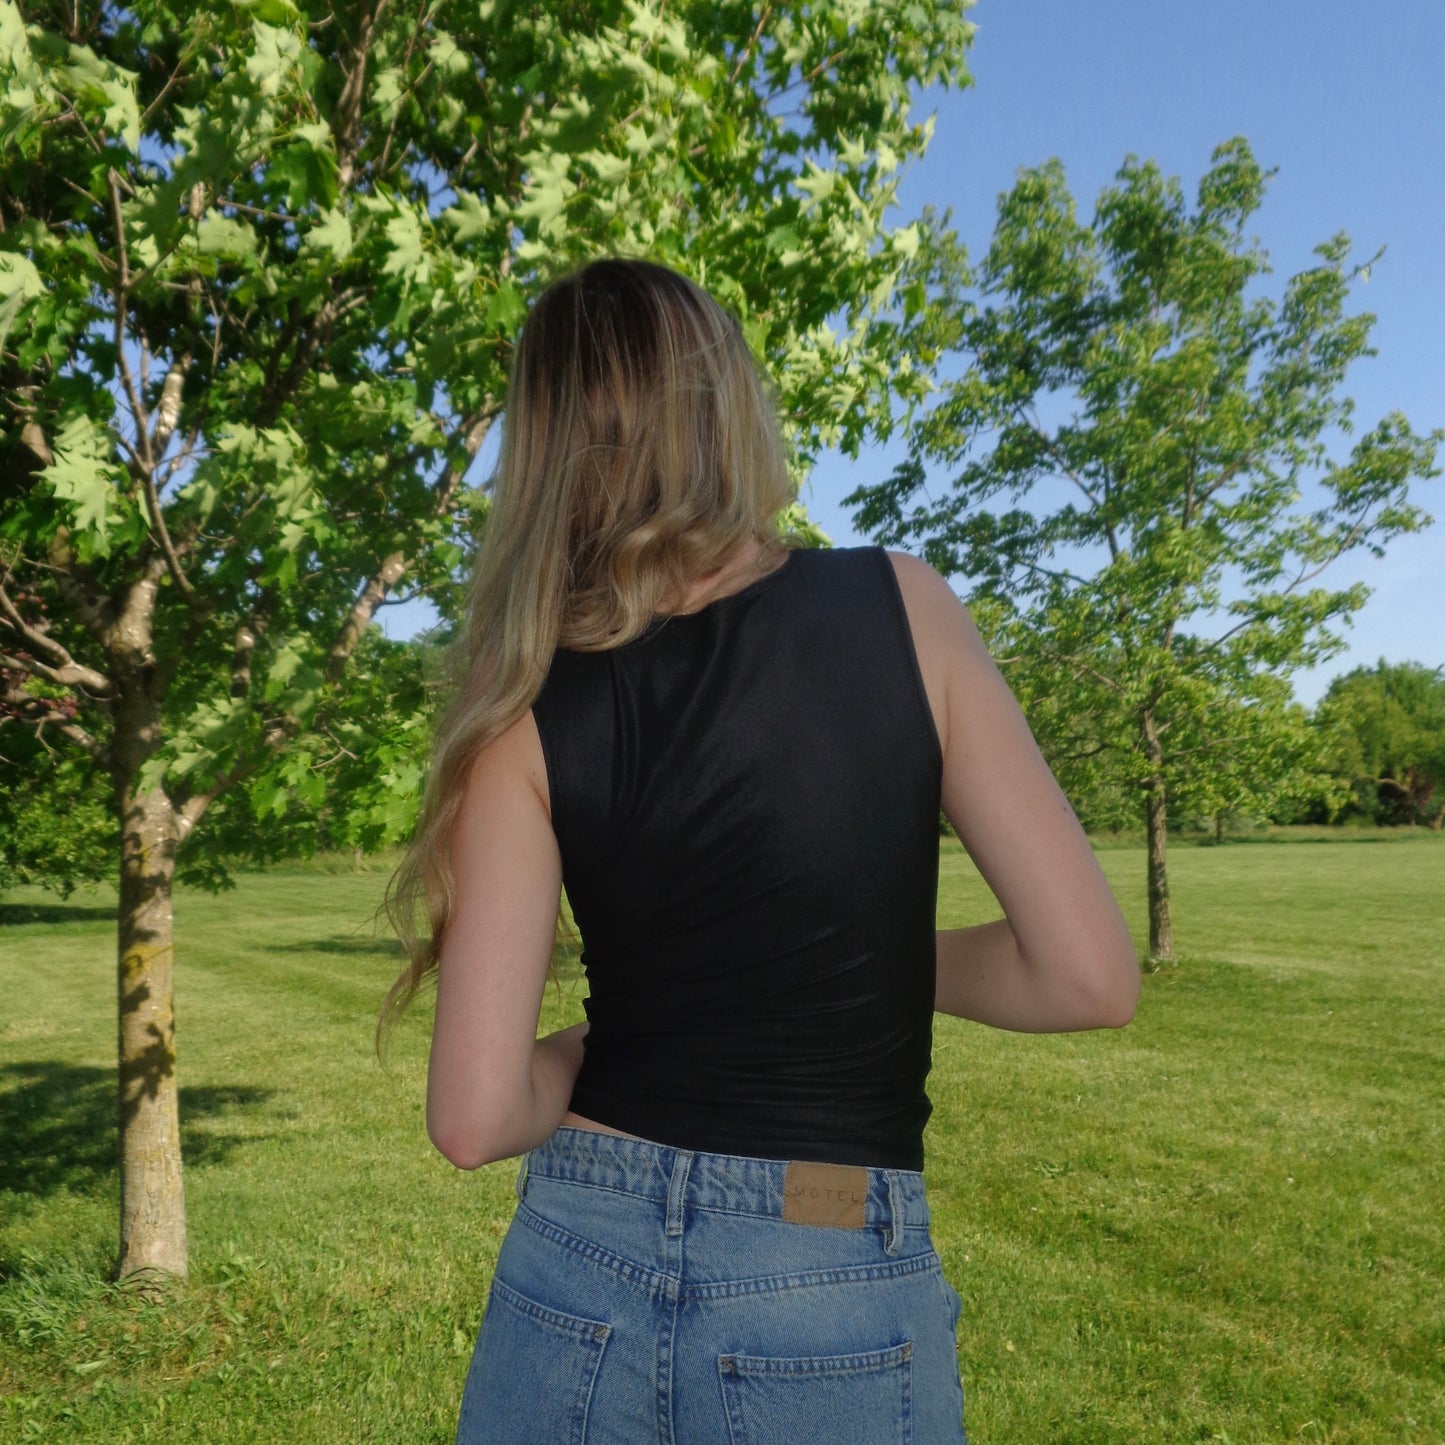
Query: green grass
point(1219, 1224)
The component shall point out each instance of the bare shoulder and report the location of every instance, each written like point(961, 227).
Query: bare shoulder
point(923, 588)
point(514, 756)
point(943, 632)
point(936, 613)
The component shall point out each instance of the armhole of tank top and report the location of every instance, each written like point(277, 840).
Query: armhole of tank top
point(549, 761)
point(910, 649)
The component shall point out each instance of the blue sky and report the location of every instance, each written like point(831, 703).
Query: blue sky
point(1347, 101)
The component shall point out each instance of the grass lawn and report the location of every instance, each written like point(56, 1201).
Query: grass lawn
point(1223, 1223)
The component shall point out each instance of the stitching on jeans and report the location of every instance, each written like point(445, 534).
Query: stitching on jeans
point(579, 1325)
point(615, 1262)
point(671, 1287)
point(803, 1279)
point(533, 1173)
point(876, 1225)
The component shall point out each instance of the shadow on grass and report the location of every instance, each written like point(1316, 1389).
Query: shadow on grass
point(14, 914)
point(58, 1126)
point(345, 944)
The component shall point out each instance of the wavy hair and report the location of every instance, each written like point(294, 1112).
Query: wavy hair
point(640, 450)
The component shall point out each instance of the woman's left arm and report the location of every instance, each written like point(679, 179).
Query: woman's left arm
point(494, 1089)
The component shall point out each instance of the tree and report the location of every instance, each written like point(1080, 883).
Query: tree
point(56, 824)
point(1134, 432)
point(260, 270)
point(1385, 729)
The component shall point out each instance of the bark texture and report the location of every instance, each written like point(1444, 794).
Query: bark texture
point(152, 1201)
point(1161, 925)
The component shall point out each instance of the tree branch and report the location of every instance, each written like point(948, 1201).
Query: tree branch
point(392, 569)
point(346, 126)
point(311, 331)
point(137, 404)
point(90, 684)
point(411, 86)
point(1032, 424)
point(92, 606)
point(748, 48)
point(41, 714)
point(191, 808)
point(396, 565)
point(1305, 574)
point(1082, 669)
point(63, 669)
point(158, 521)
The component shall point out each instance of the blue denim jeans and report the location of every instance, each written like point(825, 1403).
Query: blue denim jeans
point(646, 1295)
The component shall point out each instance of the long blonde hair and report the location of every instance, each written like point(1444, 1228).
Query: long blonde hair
point(640, 450)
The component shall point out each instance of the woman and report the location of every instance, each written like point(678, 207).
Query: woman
point(733, 752)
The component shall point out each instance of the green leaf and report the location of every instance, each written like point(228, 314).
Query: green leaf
point(406, 257)
point(19, 282)
point(609, 169)
point(274, 12)
point(447, 55)
point(469, 219)
point(307, 172)
point(222, 235)
point(330, 234)
point(505, 307)
point(83, 473)
point(106, 90)
point(275, 53)
point(816, 184)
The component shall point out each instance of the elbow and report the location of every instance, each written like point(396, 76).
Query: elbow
point(459, 1149)
point(1117, 1014)
point(1102, 992)
point(1115, 994)
point(465, 1145)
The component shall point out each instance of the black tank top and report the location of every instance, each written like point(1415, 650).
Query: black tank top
point(746, 801)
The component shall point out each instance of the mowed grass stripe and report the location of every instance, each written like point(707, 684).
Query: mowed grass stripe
point(1221, 1223)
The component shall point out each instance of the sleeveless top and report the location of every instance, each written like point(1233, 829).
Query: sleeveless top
point(746, 801)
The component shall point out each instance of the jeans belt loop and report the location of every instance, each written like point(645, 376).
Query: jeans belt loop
point(895, 1214)
point(522, 1178)
point(677, 1191)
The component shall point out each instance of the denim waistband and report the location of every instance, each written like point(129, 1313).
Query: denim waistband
point(893, 1199)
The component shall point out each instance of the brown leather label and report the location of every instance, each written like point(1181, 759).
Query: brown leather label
point(831, 1194)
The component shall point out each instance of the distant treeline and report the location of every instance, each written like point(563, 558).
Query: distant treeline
point(1371, 751)
point(1375, 754)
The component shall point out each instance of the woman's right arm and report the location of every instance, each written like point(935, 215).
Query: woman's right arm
point(1061, 957)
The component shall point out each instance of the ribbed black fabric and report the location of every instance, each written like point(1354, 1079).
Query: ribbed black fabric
point(746, 801)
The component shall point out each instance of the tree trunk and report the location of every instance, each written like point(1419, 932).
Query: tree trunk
point(1161, 925)
point(152, 1204)
point(152, 1201)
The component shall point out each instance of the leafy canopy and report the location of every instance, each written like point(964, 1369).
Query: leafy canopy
point(1148, 479)
point(260, 270)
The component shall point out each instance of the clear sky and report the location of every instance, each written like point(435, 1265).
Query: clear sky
point(1347, 101)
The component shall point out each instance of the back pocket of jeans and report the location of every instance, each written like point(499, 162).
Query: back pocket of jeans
point(532, 1373)
point(838, 1398)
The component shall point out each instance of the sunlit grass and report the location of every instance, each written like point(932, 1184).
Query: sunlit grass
point(1219, 1224)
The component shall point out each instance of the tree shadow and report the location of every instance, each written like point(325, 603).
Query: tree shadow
point(58, 1126)
point(344, 944)
point(13, 914)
